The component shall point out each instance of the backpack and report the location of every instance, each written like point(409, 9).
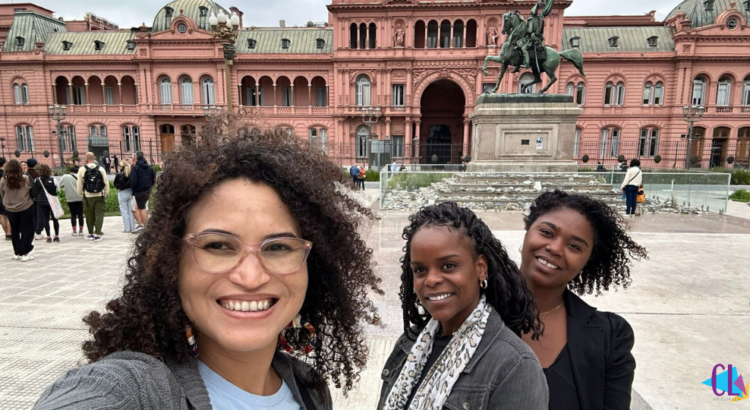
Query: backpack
point(121, 181)
point(93, 181)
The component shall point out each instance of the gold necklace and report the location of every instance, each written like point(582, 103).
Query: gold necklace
point(550, 311)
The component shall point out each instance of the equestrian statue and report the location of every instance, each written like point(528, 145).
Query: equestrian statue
point(524, 48)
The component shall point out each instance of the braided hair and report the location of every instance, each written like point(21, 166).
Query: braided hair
point(613, 249)
point(506, 291)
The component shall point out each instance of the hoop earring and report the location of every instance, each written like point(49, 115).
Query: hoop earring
point(299, 323)
point(192, 344)
point(484, 284)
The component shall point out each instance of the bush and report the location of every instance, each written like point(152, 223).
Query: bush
point(740, 196)
point(412, 182)
point(372, 176)
point(739, 176)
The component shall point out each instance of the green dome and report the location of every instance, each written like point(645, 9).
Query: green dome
point(193, 9)
point(695, 10)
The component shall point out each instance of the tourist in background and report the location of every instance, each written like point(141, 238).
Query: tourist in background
point(633, 180)
point(93, 186)
point(125, 196)
point(354, 173)
point(3, 219)
point(33, 174)
point(69, 185)
point(116, 161)
point(465, 305)
point(204, 326)
point(18, 193)
point(577, 244)
point(47, 183)
point(362, 176)
point(107, 163)
point(640, 199)
point(142, 179)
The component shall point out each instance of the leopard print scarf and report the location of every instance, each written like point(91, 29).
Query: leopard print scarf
point(437, 385)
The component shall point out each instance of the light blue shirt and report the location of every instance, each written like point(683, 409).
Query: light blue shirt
point(226, 396)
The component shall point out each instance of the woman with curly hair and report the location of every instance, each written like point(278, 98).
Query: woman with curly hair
point(465, 304)
point(244, 258)
point(577, 244)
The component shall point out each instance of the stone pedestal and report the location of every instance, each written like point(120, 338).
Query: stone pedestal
point(524, 133)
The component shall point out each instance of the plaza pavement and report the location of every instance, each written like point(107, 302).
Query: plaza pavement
point(689, 305)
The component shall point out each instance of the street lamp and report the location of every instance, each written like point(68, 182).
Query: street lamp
point(58, 113)
point(226, 28)
point(691, 115)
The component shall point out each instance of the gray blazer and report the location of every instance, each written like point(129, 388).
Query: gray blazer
point(503, 374)
point(130, 380)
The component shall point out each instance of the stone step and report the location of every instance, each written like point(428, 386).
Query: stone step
point(513, 195)
point(548, 186)
point(520, 180)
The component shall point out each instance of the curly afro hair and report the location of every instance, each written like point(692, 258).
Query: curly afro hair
point(506, 291)
point(148, 316)
point(613, 249)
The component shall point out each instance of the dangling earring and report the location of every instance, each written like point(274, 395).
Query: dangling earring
point(192, 344)
point(484, 284)
point(298, 323)
point(420, 308)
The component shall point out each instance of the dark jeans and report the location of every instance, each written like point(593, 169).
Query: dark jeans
point(44, 213)
point(76, 210)
point(22, 227)
point(631, 194)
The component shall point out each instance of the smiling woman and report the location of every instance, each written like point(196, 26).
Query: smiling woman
point(244, 258)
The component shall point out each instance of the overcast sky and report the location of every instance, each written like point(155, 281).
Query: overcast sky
point(267, 13)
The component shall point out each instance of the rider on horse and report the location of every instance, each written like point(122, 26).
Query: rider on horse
point(533, 33)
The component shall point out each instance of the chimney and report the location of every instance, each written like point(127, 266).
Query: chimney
point(282, 23)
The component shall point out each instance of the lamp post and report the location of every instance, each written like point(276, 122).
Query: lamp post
point(691, 115)
point(58, 113)
point(226, 28)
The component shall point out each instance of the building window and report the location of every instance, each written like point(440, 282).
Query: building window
point(67, 45)
point(69, 138)
point(577, 144)
point(319, 138)
point(132, 137)
point(186, 90)
point(322, 99)
point(109, 96)
point(165, 90)
point(285, 44)
point(575, 42)
point(25, 138)
point(20, 41)
point(209, 92)
point(614, 146)
point(653, 42)
point(487, 88)
point(603, 141)
point(581, 93)
point(79, 95)
point(746, 92)
point(709, 5)
point(609, 94)
point(397, 146)
point(659, 94)
point(732, 23)
point(648, 144)
point(251, 43)
point(648, 93)
point(570, 89)
point(609, 146)
point(21, 93)
point(168, 12)
point(620, 96)
point(614, 41)
point(320, 43)
point(131, 45)
point(182, 28)
point(526, 78)
point(724, 92)
point(699, 89)
point(98, 45)
point(363, 135)
point(203, 11)
point(287, 97)
point(98, 130)
point(398, 95)
point(353, 36)
point(363, 91)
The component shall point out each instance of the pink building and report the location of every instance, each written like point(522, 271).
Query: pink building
point(401, 72)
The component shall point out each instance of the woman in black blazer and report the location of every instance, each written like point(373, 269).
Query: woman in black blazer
point(577, 244)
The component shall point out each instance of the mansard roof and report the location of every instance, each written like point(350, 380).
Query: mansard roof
point(190, 9)
point(631, 39)
point(696, 12)
point(32, 27)
point(83, 43)
point(301, 40)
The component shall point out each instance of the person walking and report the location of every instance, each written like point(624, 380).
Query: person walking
point(124, 196)
point(4, 219)
point(47, 183)
point(362, 176)
point(33, 174)
point(18, 194)
point(354, 173)
point(93, 186)
point(142, 179)
point(633, 180)
point(69, 185)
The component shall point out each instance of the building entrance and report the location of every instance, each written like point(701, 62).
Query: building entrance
point(441, 133)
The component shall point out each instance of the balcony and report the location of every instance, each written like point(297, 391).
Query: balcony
point(284, 110)
point(192, 110)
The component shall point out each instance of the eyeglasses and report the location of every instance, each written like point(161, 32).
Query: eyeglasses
point(220, 253)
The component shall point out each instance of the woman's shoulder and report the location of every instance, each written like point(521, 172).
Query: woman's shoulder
point(503, 343)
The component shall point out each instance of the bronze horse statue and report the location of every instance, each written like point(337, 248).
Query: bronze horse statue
point(511, 56)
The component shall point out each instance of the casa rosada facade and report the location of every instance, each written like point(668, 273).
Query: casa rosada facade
point(395, 76)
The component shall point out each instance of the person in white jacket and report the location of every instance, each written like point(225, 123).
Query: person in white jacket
point(633, 180)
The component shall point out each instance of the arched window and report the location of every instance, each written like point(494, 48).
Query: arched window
point(131, 136)
point(69, 138)
point(648, 144)
point(319, 138)
point(659, 94)
point(363, 91)
point(620, 97)
point(648, 93)
point(581, 93)
point(21, 93)
point(353, 36)
point(363, 135)
point(363, 36)
point(570, 89)
point(208, 91)
point(743, 147)
point(609, 94)
point(526, 78)
point(165, 90)
point(25, 137)
point(699, 90)
point(746, 92)
point(609, 143)
point(724, 92)
point(373, 36)
point(432, 34)
point(186, 90)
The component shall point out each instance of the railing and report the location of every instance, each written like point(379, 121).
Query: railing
point(724, 110)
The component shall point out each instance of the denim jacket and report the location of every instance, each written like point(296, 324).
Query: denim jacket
point(503, 374)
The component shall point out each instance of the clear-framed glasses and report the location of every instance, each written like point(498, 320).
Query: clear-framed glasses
point(220, 252)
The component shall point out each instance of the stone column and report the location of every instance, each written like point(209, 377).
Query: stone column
point(119, 90)
point(135, 94)
point(54, 93)
point(388, 127)
point(88, 102)
point(274, 96)
point(239, 93)
point(426, 24)
point(465, 149)
point(463, 39)
point(417, 130)
point(328, 97)
point(70, 89)
point(257, 94)
point(450, 38)
point(309, 95)
point(291, 102)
